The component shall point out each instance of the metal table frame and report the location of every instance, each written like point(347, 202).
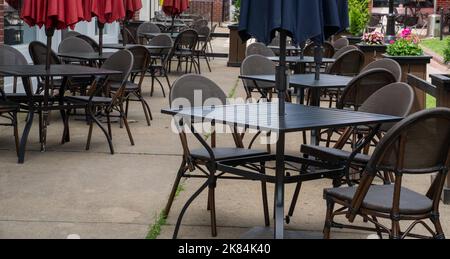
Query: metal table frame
point(26, 72)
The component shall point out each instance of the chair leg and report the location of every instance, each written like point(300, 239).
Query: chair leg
point(173, 193)
point(439, 232)
point(108, 122)
point(395, 232)
point(16, 132)
point(295, 199)
point(328, 219)
point(265, 198)
point(91, 127)
point(212, 205)
point(127, 127)
point(146, 107)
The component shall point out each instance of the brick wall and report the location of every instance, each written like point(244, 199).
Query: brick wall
point(444, 4)
point(204, 9)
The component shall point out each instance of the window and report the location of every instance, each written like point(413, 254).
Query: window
point(16, 31)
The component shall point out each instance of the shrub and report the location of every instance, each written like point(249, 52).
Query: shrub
point(359, 16)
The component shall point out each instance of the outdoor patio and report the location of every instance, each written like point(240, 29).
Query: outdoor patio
point(348, 115)
point(93, 194)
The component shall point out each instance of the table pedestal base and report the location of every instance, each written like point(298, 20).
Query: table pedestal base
point(266, 233)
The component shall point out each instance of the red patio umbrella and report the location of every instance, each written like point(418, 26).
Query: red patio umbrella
point(109, 11)
point(131, 7)
point(52, 14)
point(174, 8)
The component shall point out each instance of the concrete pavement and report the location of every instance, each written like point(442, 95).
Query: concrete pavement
point(93, 194)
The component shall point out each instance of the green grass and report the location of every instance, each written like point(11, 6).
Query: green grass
point(431, 102)
point(435, 45)
point(155, 229)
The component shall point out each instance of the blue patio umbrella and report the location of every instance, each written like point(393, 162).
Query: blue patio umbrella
point(301, 20)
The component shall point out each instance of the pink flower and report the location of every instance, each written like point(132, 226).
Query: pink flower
point(392, 41)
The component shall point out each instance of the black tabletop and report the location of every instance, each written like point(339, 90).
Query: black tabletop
point(170, 34)
point(304, 60)
point(264, 116)
point(289, 48)
point(55, 70)
point(306, 80)
point(120, 46)
point(87, 56)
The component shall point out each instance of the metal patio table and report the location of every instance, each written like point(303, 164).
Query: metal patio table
point(86, 56)
point(300, 63)
point(300, 82)
point(26, 72)
point(265, 117)
point(173, 35)
point(119, 46)
point(289, 49)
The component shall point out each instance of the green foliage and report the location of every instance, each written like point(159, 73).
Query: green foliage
point(403, 47)
point(359, 16)
point(237, 12)
point(447, 51)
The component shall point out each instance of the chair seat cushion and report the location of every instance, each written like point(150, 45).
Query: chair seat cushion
point(380, 198)
point(96, 99)
point(332, 155)
point(226, 153)
point(129, 87)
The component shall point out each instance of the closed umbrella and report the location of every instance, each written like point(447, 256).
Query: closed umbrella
point(52, 14)
point(109, 11)
point(131, 7)
point(301, 20)
point(174, 8)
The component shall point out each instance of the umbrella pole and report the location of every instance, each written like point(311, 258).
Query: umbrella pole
point(173, 24)
point(281, 79)
point(318, 53)
point(101, 27)
point(124, 34)
point(49, 33)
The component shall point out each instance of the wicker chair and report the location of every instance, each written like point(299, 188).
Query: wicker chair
point(388, 64)
point(91, 42)
point(133, 89)
point(258, 48)
point(341, 43)
point(348, 64)
point(184, 50)
point(11, 56)
point(69, 34)
point(417, 145)
point(396, 100)
point(202, 47)
point(147, 27)
point(258, 65)
point(9, 110)
point(111, 102)
point(328, 50)
point(340, 52)
point(184, 94)
point(38, 53)
point(160, 69)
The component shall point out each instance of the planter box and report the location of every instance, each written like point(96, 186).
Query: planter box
point(417, 66)
point(354, 39)
point(442, 83)
point(372, 52)
point(237, 47)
